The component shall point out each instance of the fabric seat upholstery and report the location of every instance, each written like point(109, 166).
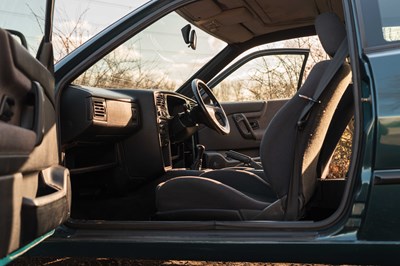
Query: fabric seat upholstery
point(221, 198)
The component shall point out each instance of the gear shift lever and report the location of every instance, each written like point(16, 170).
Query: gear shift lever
point(199, 157)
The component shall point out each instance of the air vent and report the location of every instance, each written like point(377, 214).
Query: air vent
point(160, 100)
point(99, 109)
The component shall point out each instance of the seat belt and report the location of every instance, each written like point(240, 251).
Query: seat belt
point(292, 201)
point(329, 73)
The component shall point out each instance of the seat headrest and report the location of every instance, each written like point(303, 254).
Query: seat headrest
point(331, 32)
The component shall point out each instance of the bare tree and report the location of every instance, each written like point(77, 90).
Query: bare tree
point(265, 78)
point(122, 70)
point(317, 53)
point(230, 91)
point(391, 33)
point(69, 33)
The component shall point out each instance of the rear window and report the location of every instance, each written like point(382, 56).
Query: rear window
point(380, 21)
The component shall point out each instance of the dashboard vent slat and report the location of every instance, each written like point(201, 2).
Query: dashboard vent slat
point(160, 100)
point(99, 109)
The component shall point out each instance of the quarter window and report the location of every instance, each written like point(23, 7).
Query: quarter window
point(379, 21)
point(390, 19)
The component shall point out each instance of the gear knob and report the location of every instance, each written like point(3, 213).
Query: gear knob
point(200, 150)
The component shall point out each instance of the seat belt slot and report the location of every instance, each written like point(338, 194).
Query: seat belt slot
point(309, 98)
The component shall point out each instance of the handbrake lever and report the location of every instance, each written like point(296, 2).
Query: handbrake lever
point(247, 160)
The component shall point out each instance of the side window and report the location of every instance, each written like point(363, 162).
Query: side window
point(277, 73)
point(267, 77)
point(25, 17)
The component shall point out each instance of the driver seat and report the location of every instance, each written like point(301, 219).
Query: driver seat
point(213, 198)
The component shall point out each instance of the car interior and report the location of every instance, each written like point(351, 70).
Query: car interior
point(158, 155)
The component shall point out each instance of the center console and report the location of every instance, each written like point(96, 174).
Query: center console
point(163, 118)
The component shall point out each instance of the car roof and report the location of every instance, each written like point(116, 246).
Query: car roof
point(237, 21)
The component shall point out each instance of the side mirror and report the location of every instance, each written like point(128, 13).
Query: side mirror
point(190, 37)
point(20, 37)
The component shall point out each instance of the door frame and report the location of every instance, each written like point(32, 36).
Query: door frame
point(265, 52)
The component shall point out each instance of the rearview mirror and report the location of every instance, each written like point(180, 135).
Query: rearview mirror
point(190, 37)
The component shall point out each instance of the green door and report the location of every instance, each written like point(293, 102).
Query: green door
point(381, 53)
point(34, 188)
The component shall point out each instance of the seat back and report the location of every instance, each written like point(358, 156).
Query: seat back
point(277, 150)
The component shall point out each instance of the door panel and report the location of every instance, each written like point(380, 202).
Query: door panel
point(258, 114)
point(34, 189)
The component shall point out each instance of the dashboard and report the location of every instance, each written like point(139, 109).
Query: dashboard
point(141, 131)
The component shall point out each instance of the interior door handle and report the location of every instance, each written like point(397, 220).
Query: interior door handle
point(244, 126)
point(38, 126)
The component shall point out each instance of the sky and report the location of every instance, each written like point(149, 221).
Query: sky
point(98, 13)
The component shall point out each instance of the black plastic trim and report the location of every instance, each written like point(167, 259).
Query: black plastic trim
point(95, 168)
point(387, 177)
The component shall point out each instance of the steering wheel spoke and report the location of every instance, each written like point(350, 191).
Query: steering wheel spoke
point(212, 110)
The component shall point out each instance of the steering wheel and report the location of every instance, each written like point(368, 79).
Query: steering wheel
point(212, 110)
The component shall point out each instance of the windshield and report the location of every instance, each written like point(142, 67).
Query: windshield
point(156, 58)
point(76, 21)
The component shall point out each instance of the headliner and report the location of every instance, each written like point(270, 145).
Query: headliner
point(237, 21)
